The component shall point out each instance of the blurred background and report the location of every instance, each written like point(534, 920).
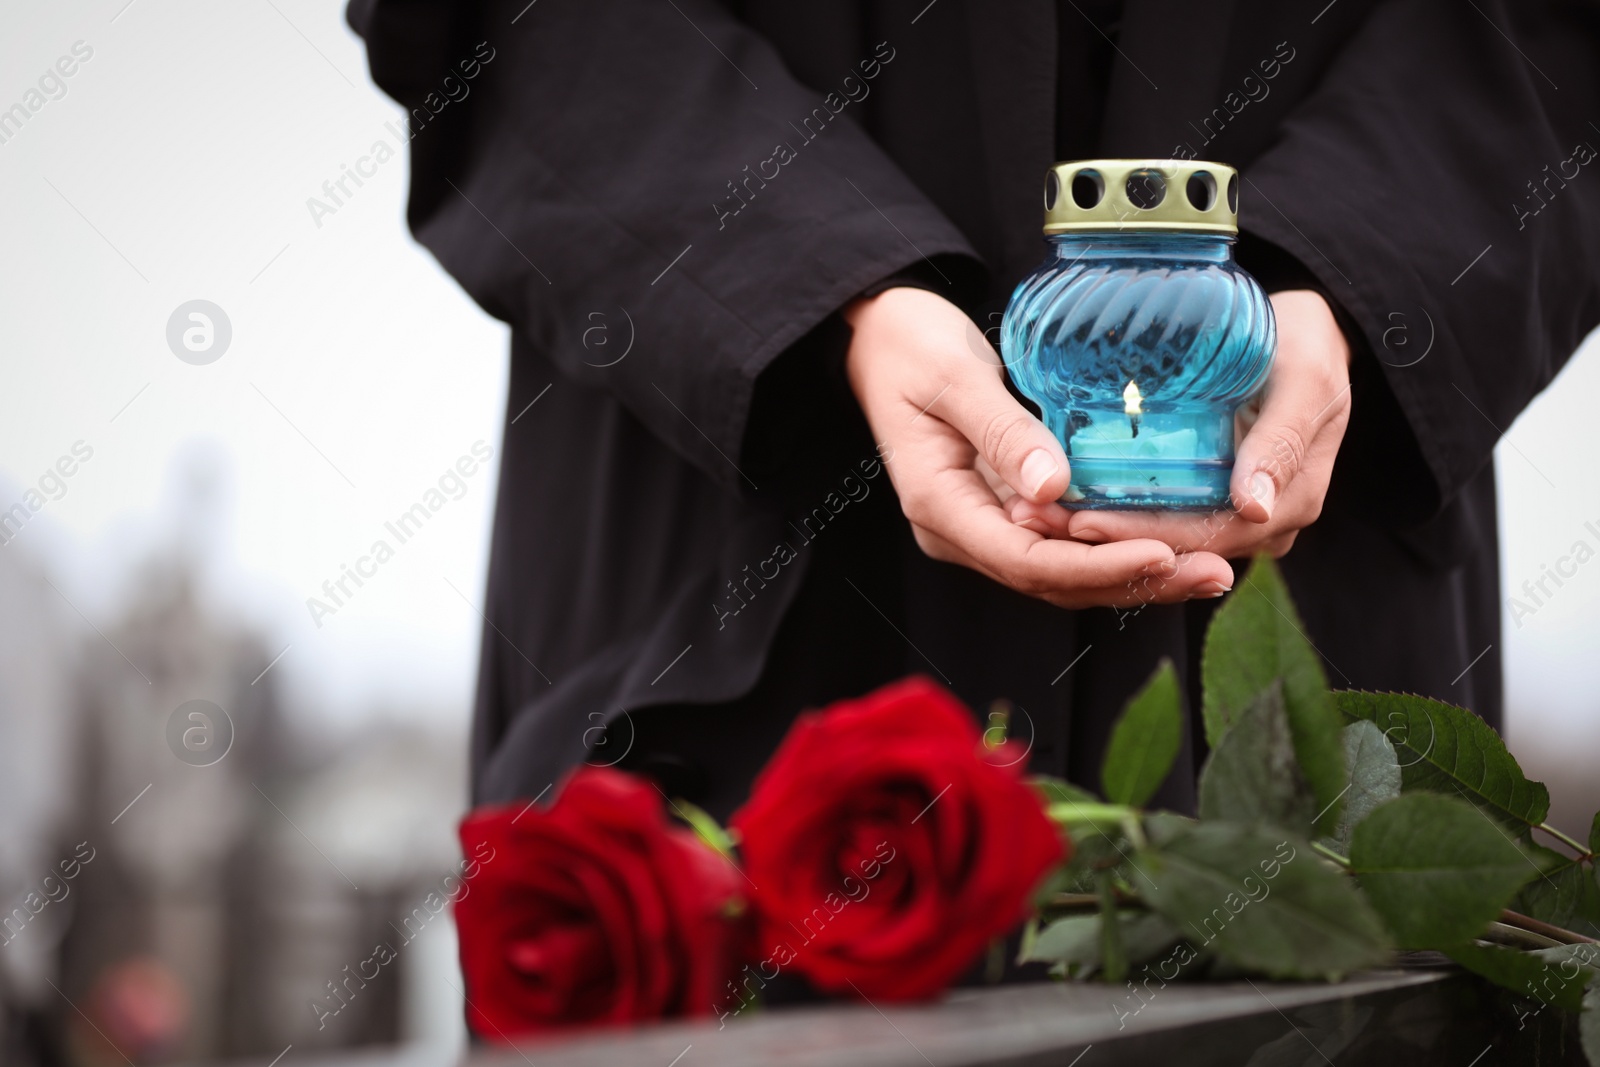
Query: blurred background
point(232, 732)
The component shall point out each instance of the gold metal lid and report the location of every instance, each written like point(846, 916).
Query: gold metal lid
point(1114, 195)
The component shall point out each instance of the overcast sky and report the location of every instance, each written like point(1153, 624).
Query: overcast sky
point(176, 167)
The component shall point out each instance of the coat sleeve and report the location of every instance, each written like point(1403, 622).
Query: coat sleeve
point(1442, 182)
point(651, 169)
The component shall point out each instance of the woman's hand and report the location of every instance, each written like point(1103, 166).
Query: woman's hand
point(1292, 434)
point(962, 447)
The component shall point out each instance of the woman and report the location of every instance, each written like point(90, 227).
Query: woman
point(750, 254)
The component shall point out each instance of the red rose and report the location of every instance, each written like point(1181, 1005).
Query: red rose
point(885, 850)
point(593, 910)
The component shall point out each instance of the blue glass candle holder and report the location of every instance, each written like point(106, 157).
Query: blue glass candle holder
point(1139, 336)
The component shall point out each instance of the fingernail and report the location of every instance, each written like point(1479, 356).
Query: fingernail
point(1039, 467)
point(1165, 568)
point(1092, 536)
point(1263, 490)
point(1205, 590)
point(1032, 524)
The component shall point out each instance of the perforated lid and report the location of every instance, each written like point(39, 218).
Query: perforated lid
point(1115, 195)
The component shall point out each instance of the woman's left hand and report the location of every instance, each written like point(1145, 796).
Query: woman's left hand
point(1293, 432)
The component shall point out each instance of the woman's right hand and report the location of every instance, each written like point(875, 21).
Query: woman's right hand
point(958, 445)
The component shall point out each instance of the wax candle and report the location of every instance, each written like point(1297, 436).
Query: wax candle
point(1139, 337)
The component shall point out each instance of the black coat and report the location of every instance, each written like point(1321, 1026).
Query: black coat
point(669, 201)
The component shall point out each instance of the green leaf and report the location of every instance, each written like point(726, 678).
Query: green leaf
point(1075, 940)
point(1555, 976)
point(1056, 791)
point(1589, 1021)
point(1594, 841)
point(1374, 772)
point(1563, 894)
point(1546, 861)
point(1146, 935)
point(1252, 776)
point(1570, 958)
point(1145, 740)
point(1161, 827)
point(1030, 938)
point(1263, 900)
point(1255, 639)
point(1446, 749)
point(1437, 870)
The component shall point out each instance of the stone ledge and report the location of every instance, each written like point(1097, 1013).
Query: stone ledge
point(1415, 1017)
point(1421, 1016)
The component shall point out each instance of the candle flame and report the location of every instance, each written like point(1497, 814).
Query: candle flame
point(1131, 399)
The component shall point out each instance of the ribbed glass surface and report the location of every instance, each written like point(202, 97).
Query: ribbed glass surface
point(1138, 348)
